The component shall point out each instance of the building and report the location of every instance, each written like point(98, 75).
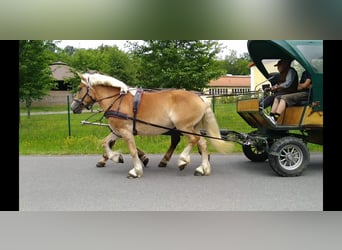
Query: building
point(60, 72)
point(257, 78)
point(229, 85)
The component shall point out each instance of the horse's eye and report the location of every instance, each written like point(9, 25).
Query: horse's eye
point(79, 89)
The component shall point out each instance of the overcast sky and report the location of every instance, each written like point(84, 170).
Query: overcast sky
point(240, 46)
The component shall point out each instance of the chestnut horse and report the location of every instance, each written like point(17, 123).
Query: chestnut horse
point(131, 113)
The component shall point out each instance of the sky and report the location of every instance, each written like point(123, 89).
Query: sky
point(240, 46)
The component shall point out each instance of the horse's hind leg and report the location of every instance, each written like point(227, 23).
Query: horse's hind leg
point(200, 153)
point(184, 158)
point(175, 138)
point(107, 144)
point(204, 168)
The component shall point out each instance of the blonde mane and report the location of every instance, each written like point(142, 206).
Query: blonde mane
point(99, 79)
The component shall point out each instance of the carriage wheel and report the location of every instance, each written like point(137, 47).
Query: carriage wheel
point(289, 156)
point(255, 153)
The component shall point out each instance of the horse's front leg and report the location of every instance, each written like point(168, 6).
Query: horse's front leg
point(142, 156)
point(137, 170)
point(108, 144)
point(175, 138)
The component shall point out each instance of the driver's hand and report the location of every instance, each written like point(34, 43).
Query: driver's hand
point(274, 88)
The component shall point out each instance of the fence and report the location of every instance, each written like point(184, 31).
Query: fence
point(54, 98)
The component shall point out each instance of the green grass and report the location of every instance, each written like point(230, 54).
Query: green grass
point(49, 134)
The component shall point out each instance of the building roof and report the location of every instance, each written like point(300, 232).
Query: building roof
point(61, 71)
point(231, 81)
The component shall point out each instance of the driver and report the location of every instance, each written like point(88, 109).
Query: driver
point(288, 82)
point(282, 101)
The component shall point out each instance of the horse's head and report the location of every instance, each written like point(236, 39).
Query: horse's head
point(106, 87)
point(84, 97)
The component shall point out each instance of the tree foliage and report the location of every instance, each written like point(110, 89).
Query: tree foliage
point(105, 59)
point(237, 65)
point(188, 64)
point(35, 79)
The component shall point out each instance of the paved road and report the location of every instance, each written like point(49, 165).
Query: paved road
point(73, 183)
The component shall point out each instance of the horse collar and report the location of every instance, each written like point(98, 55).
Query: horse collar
point(118, 114)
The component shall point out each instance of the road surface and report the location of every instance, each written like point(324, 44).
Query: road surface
point(73, 183)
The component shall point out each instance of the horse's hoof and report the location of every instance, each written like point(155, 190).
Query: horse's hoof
point(197, 173)
point(181, 167)
point(183, 162)
point(162, 164)
point(130, 176)
point(121, 160)
point(100, 164)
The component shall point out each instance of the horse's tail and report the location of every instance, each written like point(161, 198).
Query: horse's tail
point(212, 129)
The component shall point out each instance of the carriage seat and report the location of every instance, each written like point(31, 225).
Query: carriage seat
point(308, 100)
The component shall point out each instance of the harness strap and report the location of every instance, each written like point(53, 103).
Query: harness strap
point(136, 102)
point(114, 113)
point(137, 98)
point(118, 114)
point(111, 113)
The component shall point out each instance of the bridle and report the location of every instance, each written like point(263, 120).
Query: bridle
point(87, 94)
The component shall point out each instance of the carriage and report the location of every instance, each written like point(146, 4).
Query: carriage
point(180, 112)
point(285, 144)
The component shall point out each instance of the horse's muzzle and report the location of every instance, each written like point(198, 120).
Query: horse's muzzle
point(76, 107)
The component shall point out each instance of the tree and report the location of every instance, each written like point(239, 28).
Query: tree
point(105, 59)
point(35, 78)
point(70, 50)
point(188, 64)
point(237, 65)
point(118, 64)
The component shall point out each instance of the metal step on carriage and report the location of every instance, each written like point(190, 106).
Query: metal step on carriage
point(285, 144)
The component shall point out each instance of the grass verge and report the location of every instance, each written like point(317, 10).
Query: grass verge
point(48, 134)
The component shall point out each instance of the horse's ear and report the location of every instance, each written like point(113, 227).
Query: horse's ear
point(81, 76)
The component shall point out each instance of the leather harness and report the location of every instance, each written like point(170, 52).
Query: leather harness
point(137, 99)
point(118, 114)
point(136, 102)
